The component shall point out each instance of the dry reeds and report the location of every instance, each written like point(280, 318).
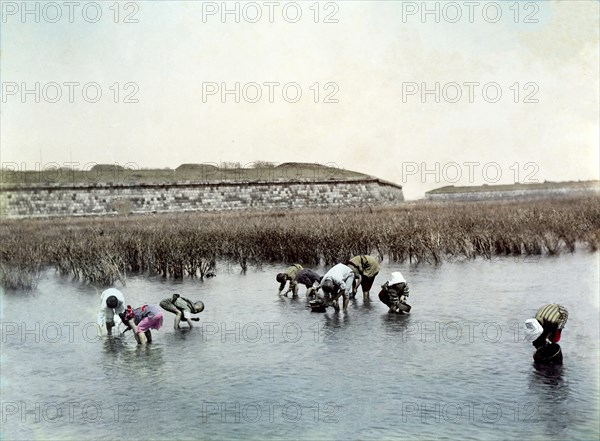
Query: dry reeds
point(103, 250)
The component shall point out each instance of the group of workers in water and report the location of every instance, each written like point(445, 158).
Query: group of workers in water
point(341, 281)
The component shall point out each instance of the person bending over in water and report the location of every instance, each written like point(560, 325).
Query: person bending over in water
point(365, 269)
point(141, 320)
point(394, 291)
point(553, 318)
point(336, 283)
point(111, 302)
point(289, 275)
point(179, 306)
point(310, 279)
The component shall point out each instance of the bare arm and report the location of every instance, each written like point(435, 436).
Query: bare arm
point(282, 287)
point(134, 328)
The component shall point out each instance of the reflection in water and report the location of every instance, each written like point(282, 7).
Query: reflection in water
point(365, 304)
point(114, 345)
point(549, 373)
point(334, 325)
point(123, 355)
point(283, 301)
point(397, 322)
point(147, 362)
point(295, 299)
point(336, 319)
point(182, 334)
point(549, 397)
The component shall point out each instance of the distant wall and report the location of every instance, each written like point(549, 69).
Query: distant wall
point(40, 200)
point(513, 194)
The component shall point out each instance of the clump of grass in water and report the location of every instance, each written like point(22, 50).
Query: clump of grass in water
point(19, 277)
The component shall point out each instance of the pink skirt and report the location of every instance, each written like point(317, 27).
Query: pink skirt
point(150, 323)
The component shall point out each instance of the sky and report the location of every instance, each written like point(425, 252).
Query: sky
point(423, 94)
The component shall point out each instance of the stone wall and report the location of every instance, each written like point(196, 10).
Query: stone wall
point(40, 200)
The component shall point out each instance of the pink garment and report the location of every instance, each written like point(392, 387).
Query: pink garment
point(150, 323)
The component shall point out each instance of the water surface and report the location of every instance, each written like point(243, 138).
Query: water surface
point(261, 366)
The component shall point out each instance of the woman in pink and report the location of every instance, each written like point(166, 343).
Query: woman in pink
point(142, 319)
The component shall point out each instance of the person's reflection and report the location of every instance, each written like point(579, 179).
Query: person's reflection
point(398, 323)
point(333, 326)
point(550, 374)
point(128, 358)
point(113, 345)
point(355, 304)
point(292, 303)
point(148, 361)
point(116, 351)
point(548, 398)
point(284, 302)
point(178, 338)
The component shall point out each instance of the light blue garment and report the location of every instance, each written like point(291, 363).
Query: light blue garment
point(342, 277)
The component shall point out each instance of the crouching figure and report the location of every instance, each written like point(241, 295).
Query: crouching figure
point(289, 275)
point(180, 306)
point(394, 293)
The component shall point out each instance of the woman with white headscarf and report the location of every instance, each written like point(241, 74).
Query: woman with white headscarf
point(394, 292)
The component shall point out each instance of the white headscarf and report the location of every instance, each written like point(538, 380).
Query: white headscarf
point(533, 329)
point(397, 277)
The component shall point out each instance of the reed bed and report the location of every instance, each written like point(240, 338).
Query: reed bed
point(104, 250)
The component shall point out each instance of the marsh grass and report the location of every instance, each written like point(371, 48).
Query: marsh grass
point(105, 249)
point(19, 277)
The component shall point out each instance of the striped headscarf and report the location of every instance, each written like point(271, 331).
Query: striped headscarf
point(552, 314)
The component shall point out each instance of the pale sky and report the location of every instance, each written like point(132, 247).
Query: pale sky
point(369, 61)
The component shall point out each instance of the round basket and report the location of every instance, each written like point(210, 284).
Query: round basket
point(317, 306)
point(550, 353)
point(404, 307)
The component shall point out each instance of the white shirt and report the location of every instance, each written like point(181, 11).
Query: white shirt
point(342, 276)
point(106, 314)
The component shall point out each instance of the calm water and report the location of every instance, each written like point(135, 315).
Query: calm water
point(263, 367)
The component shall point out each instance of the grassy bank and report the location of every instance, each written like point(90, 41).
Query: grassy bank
point(103, 250)
point(208, 172)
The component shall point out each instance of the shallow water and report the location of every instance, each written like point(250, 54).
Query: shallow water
point(261, 366)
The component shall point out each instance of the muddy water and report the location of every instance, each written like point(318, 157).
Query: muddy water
point(261, 366)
